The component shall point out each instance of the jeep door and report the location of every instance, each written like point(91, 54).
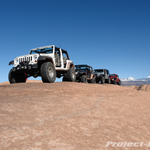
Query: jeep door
point(105, 73)
point(88, 72)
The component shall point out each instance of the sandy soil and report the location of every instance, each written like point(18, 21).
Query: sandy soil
point(72, 116)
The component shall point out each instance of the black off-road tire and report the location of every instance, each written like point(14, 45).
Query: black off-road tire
point(102, 80)
point(12, 77)
point(71, 75)
point(83, 79)
point(48, 72)
point(16, 78)
point(93, 80)
point(119, 83)
point(108, 81)
point(115, 82)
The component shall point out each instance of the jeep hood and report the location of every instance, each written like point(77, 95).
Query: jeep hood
point(98, 73)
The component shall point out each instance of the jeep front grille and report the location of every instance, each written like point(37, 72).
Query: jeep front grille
point(25, 59)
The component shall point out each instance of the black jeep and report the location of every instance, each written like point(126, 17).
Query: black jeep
point(84, 73)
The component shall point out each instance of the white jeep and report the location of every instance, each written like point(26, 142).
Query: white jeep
point(48, 62)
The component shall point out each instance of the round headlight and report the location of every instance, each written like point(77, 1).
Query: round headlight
point(35, 57)
point(16, 60)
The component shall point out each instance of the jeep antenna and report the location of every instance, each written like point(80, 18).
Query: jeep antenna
point(60, 45)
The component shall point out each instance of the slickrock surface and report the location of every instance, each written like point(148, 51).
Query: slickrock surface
point(72, 116)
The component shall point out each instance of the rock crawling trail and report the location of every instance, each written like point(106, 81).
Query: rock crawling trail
point(72, 116)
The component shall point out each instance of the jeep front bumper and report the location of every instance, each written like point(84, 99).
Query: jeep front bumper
point(25, 68)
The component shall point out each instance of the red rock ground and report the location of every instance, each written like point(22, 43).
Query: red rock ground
point(72, 116)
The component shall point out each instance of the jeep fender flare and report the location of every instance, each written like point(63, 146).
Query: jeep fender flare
point(11, 62)
point(45, 58)
point(70, 65)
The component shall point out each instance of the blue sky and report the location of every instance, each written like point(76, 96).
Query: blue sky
point(111, 34)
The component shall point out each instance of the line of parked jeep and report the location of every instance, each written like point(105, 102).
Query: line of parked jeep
point(50, 62)
point(85, 73)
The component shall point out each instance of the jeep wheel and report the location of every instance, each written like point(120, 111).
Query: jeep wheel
point(93, 80)
point(108, 80)
point(115, 82)
point(71, 76)
point(119, 83)
point(48, 72)
point(12, 77)
point(83, 79)
point(102, 80)
point(16, 78)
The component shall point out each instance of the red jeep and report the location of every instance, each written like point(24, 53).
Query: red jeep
point(115, 79)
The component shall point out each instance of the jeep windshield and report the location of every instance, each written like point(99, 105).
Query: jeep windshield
point(44, 50)
point(98, 71)
point(112, 75)
point(80, 67)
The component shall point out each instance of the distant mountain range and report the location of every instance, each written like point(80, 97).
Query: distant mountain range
point(131, 81)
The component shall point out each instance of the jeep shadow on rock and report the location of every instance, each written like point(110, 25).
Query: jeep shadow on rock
point(84, 74)
point(102, 75)
point(48, 62)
